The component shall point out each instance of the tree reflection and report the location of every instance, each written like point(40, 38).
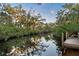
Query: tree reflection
point(58, 44)
point(29, 46)
point(23, 46)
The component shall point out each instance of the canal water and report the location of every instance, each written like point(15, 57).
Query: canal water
point(35, 45)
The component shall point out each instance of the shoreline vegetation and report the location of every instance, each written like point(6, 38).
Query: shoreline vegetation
point(11, 31)
point(17, 22)
point(67, 20)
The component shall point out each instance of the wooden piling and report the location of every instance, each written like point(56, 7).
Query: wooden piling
point(62, 39)
point(66, 35)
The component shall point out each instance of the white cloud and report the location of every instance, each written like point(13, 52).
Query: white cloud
point(53, 12)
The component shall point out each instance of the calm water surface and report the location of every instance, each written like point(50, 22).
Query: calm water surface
point(37, 45)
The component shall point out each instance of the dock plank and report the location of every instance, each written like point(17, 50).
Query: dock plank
point(72, 43)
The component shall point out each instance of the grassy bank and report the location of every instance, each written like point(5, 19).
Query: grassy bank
point(8, 31)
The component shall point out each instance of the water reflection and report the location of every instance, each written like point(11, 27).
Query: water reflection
point(32, 45)
point(40, 45)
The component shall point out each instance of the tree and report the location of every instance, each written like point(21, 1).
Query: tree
point(4, 16)
point(68, 14)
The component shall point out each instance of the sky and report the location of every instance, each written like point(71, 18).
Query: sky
point(48, 11)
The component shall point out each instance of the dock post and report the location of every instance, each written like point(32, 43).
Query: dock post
point(66, 35)
point(62, 39)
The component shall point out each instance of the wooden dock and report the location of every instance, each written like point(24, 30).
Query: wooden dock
point(71, 43)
